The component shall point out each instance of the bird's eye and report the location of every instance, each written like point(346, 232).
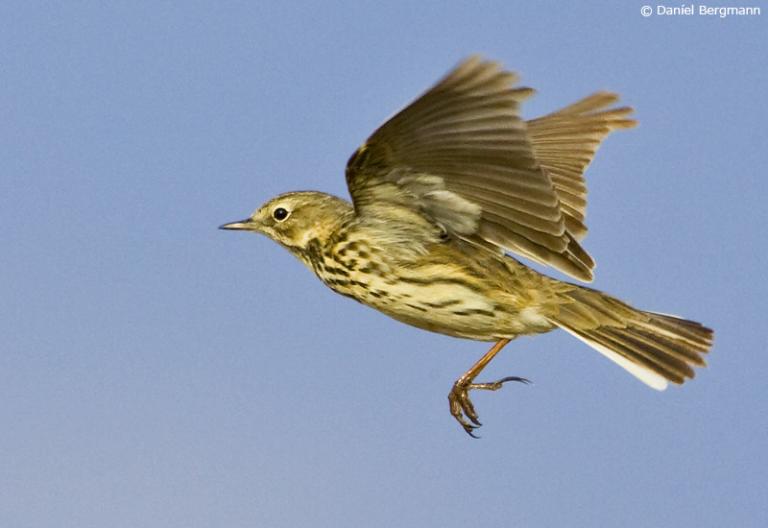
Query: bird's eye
point(280, 214)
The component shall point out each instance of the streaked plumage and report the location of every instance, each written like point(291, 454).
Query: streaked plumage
point(442, 191)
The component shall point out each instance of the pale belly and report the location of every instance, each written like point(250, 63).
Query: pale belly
point(445, 306)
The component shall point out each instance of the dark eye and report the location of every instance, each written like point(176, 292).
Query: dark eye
point(280, 214)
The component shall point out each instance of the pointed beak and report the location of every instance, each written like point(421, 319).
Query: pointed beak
point(241, 225)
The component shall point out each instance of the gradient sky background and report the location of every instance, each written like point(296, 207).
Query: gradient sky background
point(155, 371)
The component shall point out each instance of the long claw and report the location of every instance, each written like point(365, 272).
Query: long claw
point(525, 381)
point(460, 405)
point(496, 385)
point(462, 408)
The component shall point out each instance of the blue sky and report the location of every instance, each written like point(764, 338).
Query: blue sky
point(158, 372)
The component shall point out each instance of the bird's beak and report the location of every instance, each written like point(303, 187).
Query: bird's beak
point(241, 225)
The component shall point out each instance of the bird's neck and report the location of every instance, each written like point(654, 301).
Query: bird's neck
point(323, 233)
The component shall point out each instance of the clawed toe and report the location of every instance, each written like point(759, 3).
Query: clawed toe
point(462, 409)
point(461, 406)
point(496, 385)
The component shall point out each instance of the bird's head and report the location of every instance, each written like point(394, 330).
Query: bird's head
point(296, 218)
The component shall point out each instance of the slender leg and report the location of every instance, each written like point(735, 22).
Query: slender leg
point(460, 404)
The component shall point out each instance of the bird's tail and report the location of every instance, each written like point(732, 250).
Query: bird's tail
point(653, 347)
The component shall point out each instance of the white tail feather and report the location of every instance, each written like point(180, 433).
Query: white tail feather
point(647, 376)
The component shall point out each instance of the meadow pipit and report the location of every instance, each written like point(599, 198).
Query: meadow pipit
point(441, 192)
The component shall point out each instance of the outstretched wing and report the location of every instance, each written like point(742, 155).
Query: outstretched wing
point(565, 142)
point(461, 155)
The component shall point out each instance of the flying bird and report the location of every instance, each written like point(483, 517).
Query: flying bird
point(443, 194)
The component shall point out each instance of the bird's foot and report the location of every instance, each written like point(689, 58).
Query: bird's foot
point(461, 406)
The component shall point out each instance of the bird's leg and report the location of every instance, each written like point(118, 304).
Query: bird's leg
point(460, 404)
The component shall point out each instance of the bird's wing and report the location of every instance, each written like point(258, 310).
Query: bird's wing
point(565, 142)
point(461, 155)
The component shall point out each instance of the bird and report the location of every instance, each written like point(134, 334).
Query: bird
point(447, 195)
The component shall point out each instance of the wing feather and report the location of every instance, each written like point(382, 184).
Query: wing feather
point(565, 143)
point(462, 156)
